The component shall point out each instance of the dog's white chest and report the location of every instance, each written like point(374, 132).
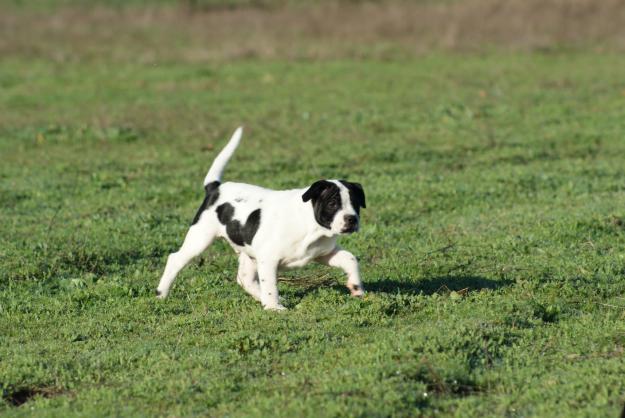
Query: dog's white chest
point(307, 251)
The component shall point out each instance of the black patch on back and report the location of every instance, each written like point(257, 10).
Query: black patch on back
point(225, 212)
point(356, 195)
point(238, 234)
point(326, 201)
point(212, 194)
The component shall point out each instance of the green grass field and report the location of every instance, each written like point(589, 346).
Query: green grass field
point(492, 246)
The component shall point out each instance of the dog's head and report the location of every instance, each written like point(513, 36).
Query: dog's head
point(336, 204)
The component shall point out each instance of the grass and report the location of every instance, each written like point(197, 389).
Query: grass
point(492, 245)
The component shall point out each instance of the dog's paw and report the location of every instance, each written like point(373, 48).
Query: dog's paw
point(276, 308)
point(356, 290)
point(160, 295)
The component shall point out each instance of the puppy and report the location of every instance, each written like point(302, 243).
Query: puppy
point(271, 229)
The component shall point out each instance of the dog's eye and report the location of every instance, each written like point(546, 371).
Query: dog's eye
point(333, 204)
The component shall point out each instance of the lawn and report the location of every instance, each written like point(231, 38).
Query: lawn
point(492, 248)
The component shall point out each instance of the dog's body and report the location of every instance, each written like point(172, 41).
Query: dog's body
point(271, 229)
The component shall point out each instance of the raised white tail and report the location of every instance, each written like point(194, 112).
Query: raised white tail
point(217, 169)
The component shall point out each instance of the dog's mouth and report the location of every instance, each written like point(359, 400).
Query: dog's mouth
point(349, 230)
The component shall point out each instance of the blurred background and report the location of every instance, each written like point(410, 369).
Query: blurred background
point(113, 58)
point(207, 30)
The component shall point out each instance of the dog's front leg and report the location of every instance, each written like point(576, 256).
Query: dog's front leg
point(268, 280)
point(247, 277)
point(348, 263)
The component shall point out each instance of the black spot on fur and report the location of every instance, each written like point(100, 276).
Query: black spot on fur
point(237, 233)
point(356, 195)
point(326, 201)
point(158, 292)
point(212, 194)
point(225, 212)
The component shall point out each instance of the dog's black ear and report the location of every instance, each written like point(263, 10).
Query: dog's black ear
point(315, 190)
point(356, 193)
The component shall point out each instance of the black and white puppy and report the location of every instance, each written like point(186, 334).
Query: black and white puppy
point(272, 229)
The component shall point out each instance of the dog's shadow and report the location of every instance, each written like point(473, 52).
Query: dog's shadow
point(430, 286)
point(436, 285)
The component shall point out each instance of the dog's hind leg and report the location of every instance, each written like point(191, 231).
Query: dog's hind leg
point(247, 276)
point(348, 263)
point(198, 238)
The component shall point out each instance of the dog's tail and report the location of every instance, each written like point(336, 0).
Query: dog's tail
point(217, 169)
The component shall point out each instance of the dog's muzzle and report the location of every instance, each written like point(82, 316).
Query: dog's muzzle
point(350, 224)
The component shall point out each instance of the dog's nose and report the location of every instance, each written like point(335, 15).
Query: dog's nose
point(350, 221)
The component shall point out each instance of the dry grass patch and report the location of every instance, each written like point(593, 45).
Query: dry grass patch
point(323, 30)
